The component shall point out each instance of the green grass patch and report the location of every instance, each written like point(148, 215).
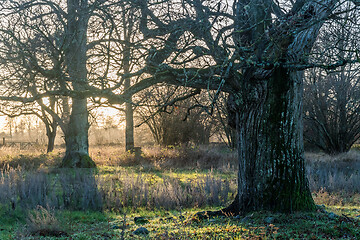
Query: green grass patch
point(183, 225)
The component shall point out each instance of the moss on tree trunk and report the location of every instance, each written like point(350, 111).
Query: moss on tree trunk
point(76, 138)
point(267, 116)
point(78, 160)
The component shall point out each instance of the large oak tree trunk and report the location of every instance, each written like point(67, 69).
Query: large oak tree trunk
point(76, 135)
point(268, 122)
point(76, 138)
point(267, 114)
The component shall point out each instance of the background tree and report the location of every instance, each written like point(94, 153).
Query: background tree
point(332, 110)
point(49, 48)
point(176, 116)
point(53, 112)
point(225, 132)
point(332, 100)
point(121, 55)
point(43, 49)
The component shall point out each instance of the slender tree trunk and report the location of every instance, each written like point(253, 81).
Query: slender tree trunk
point(51, 143)
point(129, 131)
point(76, 135)
point(268, 122)
point(129, 112)
point(51, 134)
point(50, 122)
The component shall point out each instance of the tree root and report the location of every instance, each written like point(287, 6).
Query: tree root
point(229, 211)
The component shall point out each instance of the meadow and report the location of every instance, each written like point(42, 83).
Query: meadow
point(156, 196)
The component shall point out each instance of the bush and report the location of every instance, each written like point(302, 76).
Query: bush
point(43, 222)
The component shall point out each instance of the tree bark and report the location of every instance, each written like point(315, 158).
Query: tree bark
point(129, 112)
point(76, 135)
point(51, 134)
point(51, 142)
point(51, 123)
point(129, 131)
point(76, 138)
point(268, 122)
point(267, 114)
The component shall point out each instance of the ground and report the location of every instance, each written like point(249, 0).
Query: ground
point(169, 225)
point(155, 180)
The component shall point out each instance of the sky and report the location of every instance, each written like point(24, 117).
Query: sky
point(102, 114)
point(2, 123)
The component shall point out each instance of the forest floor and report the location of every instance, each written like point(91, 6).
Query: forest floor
point(158, 195)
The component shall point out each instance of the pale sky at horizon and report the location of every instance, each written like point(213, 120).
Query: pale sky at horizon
point(2, 123)
point(103, 113)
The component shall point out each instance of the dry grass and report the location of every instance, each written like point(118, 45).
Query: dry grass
point(339, 198)
point(64, 189)
point(179, 157)
point(165, 193)
point(200, 157)
point(171, 157)
point(335, 180)
point(334, 173)
point(42, 222)
point(29, 178)
point(84, 190)
point(30, 158)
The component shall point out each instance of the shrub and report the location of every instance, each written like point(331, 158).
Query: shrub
point(43, 222)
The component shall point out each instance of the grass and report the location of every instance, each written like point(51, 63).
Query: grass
point(166, 187)
point(169, 225)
